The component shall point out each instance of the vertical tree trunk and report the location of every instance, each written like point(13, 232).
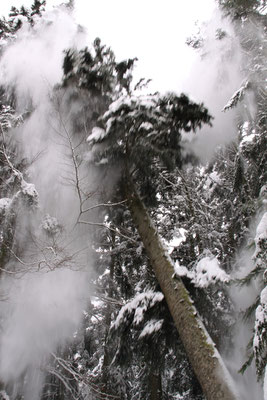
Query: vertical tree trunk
point(107, 318)
point(205, 360)
point(154, 385)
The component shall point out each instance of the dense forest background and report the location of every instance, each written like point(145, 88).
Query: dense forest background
point(112, 205)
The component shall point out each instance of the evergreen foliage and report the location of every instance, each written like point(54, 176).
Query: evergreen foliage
point(141, 133)
point(242, 8)
point(250, 162)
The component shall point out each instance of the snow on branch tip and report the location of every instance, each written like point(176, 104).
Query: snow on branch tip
point(237, 96)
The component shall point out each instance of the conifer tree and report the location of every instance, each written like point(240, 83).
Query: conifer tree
point(131, 128)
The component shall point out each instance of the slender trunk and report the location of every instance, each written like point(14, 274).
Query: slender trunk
point(154, 385)
point(107, 355)
point(203, 356)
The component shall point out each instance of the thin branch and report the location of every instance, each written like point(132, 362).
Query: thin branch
point(103, 225)
point(104, 205)
point(61, 378)
point(79, 378)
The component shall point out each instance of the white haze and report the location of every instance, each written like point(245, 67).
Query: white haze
point(212, 78)
point(44, 308)
point(243, 297)
point(34, 62)
point(151, 30)
point(155, 33)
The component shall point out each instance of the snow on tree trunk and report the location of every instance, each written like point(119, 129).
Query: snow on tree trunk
point(205, 360)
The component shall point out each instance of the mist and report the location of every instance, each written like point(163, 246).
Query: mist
point(212, 78)
point(50, 284)
point(216, 72)
point(243, 297)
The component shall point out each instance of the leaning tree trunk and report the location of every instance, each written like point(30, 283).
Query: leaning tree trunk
point(205, 360)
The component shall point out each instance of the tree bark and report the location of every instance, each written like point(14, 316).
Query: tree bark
point(154, 385)
point(205, 360)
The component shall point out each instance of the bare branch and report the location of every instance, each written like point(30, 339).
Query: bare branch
point(103, 225)
point(104, 205)
point(78, 377)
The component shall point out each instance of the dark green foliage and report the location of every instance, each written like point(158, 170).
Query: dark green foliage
point(220, 34)
point(192, 202)
point(250, 163)
point(124, 66)
point(144, 132)
point(260, 349)
point(239, 173)
point(159, 353)
point(241, 8)
point(38, 7)
point(8, 28)
point(68, 63)
point(96, 70)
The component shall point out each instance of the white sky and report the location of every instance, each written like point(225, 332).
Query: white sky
point(154, 31)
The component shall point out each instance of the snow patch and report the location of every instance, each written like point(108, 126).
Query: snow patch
point(261, 234)
point(237, 96)
point(214, 176)
point(206, 272)
point(4, 396)
point(247, 134)
point(179, 237)
point(147, 126)
point(261, 231)
point(51, 225)
point(247, 139)
point(29, 189)
point(4, 203)
point(212, 180)
point(103, 161)
point(151, 327)
point(138, 305)
point(265, 384)
point(96, 135)
point(180, 270)
point(133, 102)
point(260, 319)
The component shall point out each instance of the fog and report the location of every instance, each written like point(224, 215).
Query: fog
point(44, 307)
